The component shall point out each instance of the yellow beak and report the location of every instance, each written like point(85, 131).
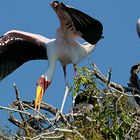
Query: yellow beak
point(39, 94)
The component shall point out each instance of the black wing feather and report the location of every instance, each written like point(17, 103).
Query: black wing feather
point(90, 28)
point(16, 50)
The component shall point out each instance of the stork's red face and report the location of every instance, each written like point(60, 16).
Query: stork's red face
point(41, 86)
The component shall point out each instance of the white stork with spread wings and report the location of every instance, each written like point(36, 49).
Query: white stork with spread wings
point(18, 47)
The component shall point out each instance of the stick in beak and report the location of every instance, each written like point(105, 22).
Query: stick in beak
point(42, 85)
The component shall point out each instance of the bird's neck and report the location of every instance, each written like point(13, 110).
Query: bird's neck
point(51, 68)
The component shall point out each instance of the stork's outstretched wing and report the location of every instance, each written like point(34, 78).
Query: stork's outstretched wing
point(17, 47)
point(77, 23)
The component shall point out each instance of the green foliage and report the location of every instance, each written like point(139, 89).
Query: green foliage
point(111, 117)
point(99, 113)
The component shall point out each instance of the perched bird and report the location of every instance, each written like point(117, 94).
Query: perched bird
point(135, 83)
point(138, 27)
point(18, 47)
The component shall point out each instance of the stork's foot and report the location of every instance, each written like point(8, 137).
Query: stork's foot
point(41, 86)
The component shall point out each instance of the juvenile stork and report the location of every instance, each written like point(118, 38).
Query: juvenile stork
point(18, 47)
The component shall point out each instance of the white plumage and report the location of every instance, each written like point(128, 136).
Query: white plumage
point(18, 47)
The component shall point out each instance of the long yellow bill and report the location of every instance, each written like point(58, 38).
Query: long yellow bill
point(39, 94)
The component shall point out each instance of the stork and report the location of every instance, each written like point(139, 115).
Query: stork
point(18, 47)
point(138, 27)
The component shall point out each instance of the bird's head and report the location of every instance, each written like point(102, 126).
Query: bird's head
point(41, 86)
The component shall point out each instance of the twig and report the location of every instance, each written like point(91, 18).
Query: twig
point(64, 130)
point(16, 122)
point(70, 131)
point(21, 124)
point(77, 132)
point(53, 137)
point(117, 104)
point(30, 105)
point(100, 76)
point(3, 137)
point(16, 136)
point(127, 134)
point(60, 130)
point(61, 116)
point(109, 76)
point(119, 88)
point(46, 119)
point(46, 136)
point(43, 106)
point(27, 113)
point(16, 110)
point(20, 106)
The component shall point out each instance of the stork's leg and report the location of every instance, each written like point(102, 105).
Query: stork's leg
point(66, 89)
point(64, 98)
point(75, 75)
point(75, 70)
point(65, 74)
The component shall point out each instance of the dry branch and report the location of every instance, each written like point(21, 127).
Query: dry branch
point(59, 124)
point(134, 86)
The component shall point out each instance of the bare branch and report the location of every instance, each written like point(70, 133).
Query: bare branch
point(127, 134)
point(70, 131)
point(116, 86)
point(16, 122)
point(20, 106)
point(2, 137)
point(109, 76)
point(30, 105)
point(15, 110)
point(100, 76)
point(43, 106)
point(53, 137)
